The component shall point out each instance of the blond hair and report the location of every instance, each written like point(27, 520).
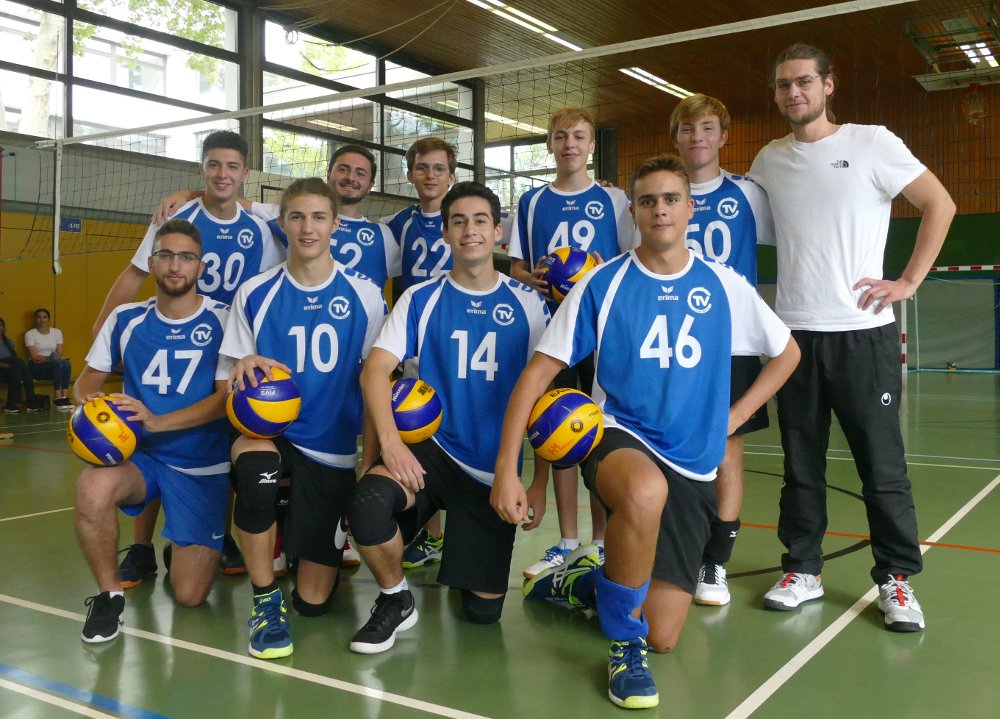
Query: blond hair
point(696, 107)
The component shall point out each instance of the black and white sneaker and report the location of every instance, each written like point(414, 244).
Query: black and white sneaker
point(391, 613)
point(104, 619)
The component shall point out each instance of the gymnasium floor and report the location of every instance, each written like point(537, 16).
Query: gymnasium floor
point(830, 659)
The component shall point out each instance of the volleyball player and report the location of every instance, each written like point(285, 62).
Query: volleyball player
point(663, 323)
point(731, 216)
point(316, 320)
point(237, 246)
point(831, 189)
point(168, 347)
point(571, 211)
point(472, 331)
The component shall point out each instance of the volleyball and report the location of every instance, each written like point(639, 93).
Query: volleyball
point(264, 411)
point(416, 409)
point(564, 268)
point(564, 426)
point(99, 434)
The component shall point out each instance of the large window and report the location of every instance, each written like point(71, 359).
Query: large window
point(514, 168)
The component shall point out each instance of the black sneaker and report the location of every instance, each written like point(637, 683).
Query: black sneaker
point(63, 404)
point(168, 553)
point(231, 561)
point(139, 562)
point(391, 613)
point(104, 619)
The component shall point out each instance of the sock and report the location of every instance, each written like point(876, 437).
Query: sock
point(263, 591)
point(119, 593)
point(598, 543)
point(721, 540)
point(569, 544)
point(401, 587)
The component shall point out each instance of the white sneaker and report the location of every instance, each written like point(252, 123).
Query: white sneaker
point(553, 557)
point(791, 590)
point(712, 589)
point(351, 556)
point(901, 609)
point(280, 565)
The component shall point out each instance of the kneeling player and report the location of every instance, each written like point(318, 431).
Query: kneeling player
point(169, 348)
point(671, 321)
point(472, 331)
point(316, 320)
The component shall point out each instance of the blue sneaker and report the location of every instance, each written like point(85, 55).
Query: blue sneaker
point(423, 549)
point(561, 584)
point(270, 637)
point(630, 681)
point(554, 556)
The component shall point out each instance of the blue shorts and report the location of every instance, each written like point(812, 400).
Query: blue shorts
point(195, 506)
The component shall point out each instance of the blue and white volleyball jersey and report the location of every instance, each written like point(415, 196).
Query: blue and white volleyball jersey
point(169, 365)
point(596, 219)
point(731, 216)
point(665, 376)
point(323, 334)
point(472, 347)
point(360, 244)
point(233, 250)
point(420, 237)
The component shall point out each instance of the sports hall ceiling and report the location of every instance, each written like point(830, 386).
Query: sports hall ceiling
point(877, 51)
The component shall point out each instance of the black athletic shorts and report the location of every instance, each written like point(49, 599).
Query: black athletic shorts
point(687, 516)
point(479, 545)
point(318, 497)
point(744, 372)
point(580, 376)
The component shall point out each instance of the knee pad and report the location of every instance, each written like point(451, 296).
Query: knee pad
point(377, 500)
point(306, 609)
point(480, 610)
point(615, 603)
point(255, 477)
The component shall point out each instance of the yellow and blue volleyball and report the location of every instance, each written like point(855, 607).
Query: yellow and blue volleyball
point(99, 434)
point(564, 268)
point(564, 426)
point(416, 408)
point(264, 411)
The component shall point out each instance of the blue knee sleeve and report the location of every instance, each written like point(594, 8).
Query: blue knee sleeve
point(372, 516)
point(615, 603)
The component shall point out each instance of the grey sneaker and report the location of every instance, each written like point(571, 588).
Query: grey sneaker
point(791, 590)
point(712, 589)
point(901, 609)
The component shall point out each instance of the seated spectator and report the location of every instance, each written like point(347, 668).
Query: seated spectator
point(45, 344)
point(14, 372)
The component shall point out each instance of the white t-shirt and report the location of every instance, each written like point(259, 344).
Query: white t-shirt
point(831, 200)
point(43, 344)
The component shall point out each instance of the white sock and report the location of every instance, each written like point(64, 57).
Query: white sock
point(119, 593)
point(565, 543)
point(402, 586)
point(599, 543)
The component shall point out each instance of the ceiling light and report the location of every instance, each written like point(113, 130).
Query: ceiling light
point(493, 117)
point(658, 82)
point(333, 125)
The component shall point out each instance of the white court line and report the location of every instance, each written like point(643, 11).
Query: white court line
point(261, 665)
point(35, 514)
point(780, 677)
point(54, 700)
point(908, 464)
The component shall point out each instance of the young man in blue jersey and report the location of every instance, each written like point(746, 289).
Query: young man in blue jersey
point(237, 246)
point(572, 211)
point(168, 347)
point(670, 322)
point(316, 320)
point(731, 216)
point(472, 331)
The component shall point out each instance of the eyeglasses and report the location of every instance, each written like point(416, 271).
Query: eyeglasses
point(167, 256)
point(436, 170)
point(804, 82)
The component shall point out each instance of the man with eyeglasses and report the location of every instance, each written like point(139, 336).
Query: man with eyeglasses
point(831, 189)
point(168, 347)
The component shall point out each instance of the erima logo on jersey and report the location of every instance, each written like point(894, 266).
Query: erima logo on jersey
point(366, 236)
point(268, 478)
point(476, 308)
point(202, 334)
point(570, 202)
point(840, 164)
point(313, 304)
point(729, 208)
point(699, 300)
point(667, 294)
point(339, 308)
point(594, 209)
point(245, 238)
point(503, 315)
point(175, 334)
point(699, 203)
point(224, 234)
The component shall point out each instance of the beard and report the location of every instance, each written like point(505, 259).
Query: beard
point(175, 290)
point(814, 113)
point(341, 200)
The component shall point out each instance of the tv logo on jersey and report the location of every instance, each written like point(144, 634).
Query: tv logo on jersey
point(366, 236)
point(339, 308)
point(202, 334)
point(729, 208)
point(503, 315)
point(245, 238)
point(700, 300)
point(594, 209)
